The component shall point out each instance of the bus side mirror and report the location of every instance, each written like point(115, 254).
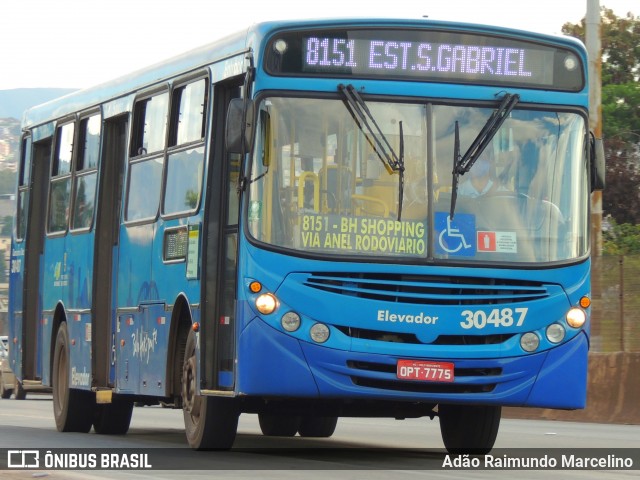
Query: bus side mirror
point(240, 125)
point(597, 164)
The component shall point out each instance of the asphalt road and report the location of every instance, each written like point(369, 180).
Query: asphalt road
point(361, 448)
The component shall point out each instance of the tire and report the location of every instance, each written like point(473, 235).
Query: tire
point(113, 418)
point(469, 429)
point(318, 427)
point(278, 425)
point(4, 391)
point(19, 393)
point(210, 423)
point(72, 409)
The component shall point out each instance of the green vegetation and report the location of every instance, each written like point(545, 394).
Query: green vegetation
point(620, 113)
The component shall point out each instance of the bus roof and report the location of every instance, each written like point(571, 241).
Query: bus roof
point(237, 44)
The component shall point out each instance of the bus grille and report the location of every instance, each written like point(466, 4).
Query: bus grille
point(397, 337)
point(428, 290)
point(390, 383)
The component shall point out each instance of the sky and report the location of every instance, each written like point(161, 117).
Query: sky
point(80, 43)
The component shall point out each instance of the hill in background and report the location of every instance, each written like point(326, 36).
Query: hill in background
point(14, 102)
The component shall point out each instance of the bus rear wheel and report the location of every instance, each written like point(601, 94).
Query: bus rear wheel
point(73, 409)
point(19, 392)
point(318, 427)
point(278, 425)
point(4, 391)
point(113, 418)
point(210, 423)
point(469, 429)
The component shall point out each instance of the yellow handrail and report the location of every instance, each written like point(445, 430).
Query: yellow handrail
point(377, 201)
point(302, 181)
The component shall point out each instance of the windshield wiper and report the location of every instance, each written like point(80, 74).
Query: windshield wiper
point(367, 124)
point(462, 165)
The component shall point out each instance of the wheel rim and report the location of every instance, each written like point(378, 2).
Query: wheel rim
point(191, 401)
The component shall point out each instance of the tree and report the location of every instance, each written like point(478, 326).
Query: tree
point(622, 194)
point(620, 111)
point(620, 47)
point(623, 239)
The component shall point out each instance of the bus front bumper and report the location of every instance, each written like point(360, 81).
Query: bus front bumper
point(274, 364)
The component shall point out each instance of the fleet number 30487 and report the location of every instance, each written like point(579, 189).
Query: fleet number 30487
point(497, 317)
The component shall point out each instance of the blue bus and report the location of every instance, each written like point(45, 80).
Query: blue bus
point(310, 220)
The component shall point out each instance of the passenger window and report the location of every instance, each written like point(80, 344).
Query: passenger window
point(89, 153)
point(188, 115)
point(64, 150)
point(184, 181)
point(86, 172)
point(150, 125)
point(25, 162)
point(23, 188)
point(185, 165)
point(145, 178)
point(59, 205)
point(61, 179)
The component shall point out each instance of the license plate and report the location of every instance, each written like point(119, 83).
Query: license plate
point(425, 371)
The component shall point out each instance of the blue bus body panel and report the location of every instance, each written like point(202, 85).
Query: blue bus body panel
point(498, 373)
point(16, 300)
point(141, 360)
point(552, 379)
point(272, 364)
point(67, 283)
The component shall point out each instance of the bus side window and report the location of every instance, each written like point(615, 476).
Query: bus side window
point(23, 188)
point(86, 172)
point(61, 179)
point(147, 157)
point(149, 125)
point(185, 166)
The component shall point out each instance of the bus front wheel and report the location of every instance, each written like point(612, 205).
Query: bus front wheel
point(73, 409)
point(469, 429)
point(210, 423)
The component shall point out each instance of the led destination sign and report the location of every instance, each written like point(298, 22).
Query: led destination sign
point(426, 55)
point(444, 58)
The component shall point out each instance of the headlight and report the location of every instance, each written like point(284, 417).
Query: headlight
point(319, 333)
point(290, 321)
point(576, 317)
point(266, 303)
point(529, 342)
point(555, 333)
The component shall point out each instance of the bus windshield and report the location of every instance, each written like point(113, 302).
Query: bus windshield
point(319, 186)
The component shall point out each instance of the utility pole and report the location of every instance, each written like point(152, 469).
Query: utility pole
point(592, 40)
point(594, 47)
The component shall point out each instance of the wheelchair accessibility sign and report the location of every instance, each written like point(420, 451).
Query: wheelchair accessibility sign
point(455, 237)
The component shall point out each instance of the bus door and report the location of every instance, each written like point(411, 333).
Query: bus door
point(217, 339)
point(137, 292)
point(105, 252)
point(34, 246)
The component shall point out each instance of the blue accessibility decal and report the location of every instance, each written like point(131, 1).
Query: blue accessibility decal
point(455, 236)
